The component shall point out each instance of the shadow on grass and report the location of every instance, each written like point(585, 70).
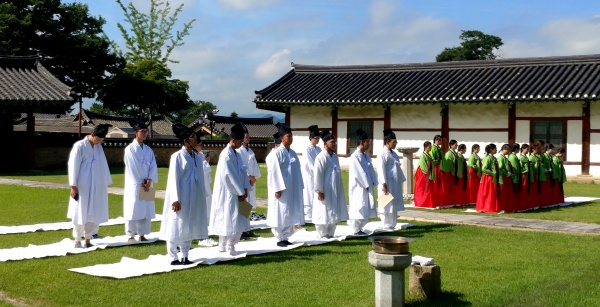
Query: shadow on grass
point(301, 253)
point(446, 298)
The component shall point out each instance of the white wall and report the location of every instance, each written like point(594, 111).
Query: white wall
point(416, 117)
point(522, 131)
point(361, 112)
point(302, 117)
point(478, 116)
point(342, 137)
point(549, 109)
point(595, 115)
point(574, 140)
point(594, 149)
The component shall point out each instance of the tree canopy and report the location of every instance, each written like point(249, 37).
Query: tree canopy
point(475, 46)
point(68, 39)
point(192, 113)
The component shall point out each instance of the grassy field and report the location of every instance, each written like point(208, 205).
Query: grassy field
point(480, 267)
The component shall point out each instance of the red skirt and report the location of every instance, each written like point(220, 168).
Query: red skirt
point(487, 200)
point(462, 191)
point(472, 186)
point(558, 195)
point(507, 200)
point(423, 190)
point(436, 189)
point(525, 196)
point(448, 189)
point(546, 197)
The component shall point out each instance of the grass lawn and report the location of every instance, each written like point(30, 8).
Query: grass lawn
point(480, 267)
point(585, 213)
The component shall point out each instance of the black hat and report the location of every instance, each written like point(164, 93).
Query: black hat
point(277, 138)
point(314, 131)
point(326, 135)
point(237, 131)
point(388, 134)
point(101, 130)
point(283, 129)
point(137, 124)
point(361, 135)
point(182, 131)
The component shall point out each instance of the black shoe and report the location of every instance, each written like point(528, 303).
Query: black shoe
point(186, 261)
point(287, 242)
point(360, 233)
point(250, 234)
point(281, 244)
point(262, 216)
point(96, 236)
point(175, 262)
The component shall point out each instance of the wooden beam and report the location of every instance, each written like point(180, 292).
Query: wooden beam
point(585, 139)
point(445, 128)
point(512, 123)
point(387, 118)
point(334, 120)
point(30, 139)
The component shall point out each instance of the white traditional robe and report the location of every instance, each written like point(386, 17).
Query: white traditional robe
point(185, 183)
point(328, 179)
point(284, 175)
point(207, 188)
point(230, 181)
point(88, 171)
point(140, 164)
point(308, 164)
point(389, 170)
point(249, 159)
point(363, 181)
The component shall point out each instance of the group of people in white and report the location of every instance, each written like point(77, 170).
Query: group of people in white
point(310, 189)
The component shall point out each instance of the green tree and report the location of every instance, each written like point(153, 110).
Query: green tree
point(475, 46)
point(100, 109)
point(69, 41)
point(144, 88)
point(234, 114)
point(197, 109)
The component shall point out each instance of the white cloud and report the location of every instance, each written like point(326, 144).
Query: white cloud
point(271, 67)
point(243, 5)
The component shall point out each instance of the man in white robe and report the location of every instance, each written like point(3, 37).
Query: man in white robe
point(363, 182)
point(253, 172)
point(205, 157)
point(89, 178)
point(140, 173)
point(184, 211)
point(391, 177)
point(308, 163)
point(230, 188)
point(285, 188)
point(329, 203)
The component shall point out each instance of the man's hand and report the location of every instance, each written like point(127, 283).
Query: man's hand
point(146, 184)
point(384, 188)
point(243, 197)
point(321, 196)
point(176, 206)
point(252, 180)
point(74, 191)
point(278, 194)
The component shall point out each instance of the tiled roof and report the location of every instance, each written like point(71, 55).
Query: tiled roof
point(25, 82)
point(160, 125)
point(505, 80)
point(258, 128)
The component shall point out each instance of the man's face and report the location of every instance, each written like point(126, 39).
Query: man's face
point(246, 138)
point(192, 140)
point(315, 140)
point(96, 140)
point(287, 140)
point(366, 144)
point(141, 134)
point(391, 144)
point(332, 144)
point(237, 144)
point(198, 146)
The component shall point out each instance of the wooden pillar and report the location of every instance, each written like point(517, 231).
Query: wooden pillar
point(334, 120)
point(445, 128)
point(585, 139)
point(288, 117)
point(387, 118)
point(30, 139)
point(512, 123)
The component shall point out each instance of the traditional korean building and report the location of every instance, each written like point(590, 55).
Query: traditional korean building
point(497, 101)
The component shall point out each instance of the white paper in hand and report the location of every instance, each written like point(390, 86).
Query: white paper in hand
point(384, 199)
point(147, 195)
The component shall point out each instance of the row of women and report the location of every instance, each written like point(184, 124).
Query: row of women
point(514, 178)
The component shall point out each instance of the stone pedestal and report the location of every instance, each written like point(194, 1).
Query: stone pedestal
point(407, 161)
point(389, 278)
point(425, 281)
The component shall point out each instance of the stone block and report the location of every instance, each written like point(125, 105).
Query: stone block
point(425, 281)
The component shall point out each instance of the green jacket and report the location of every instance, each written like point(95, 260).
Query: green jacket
point(449, 162)
point(426, 165)
point(489, 166)
point(537, 167)
point(558, 170)
point(516, 164)
point(436, 155)
point(475, 163)
point(462, 167)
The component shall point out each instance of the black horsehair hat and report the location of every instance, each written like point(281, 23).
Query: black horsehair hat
point(326, 135)
point(388, 134)
point(137, 124)
point(361, 135)
point(182, 131)
point(237, 131)
point(277, 138)
point(101, 130)
point(313, 130)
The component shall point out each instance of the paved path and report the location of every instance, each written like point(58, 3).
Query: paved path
point(411, 215)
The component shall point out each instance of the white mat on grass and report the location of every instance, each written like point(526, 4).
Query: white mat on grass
point(128, 267)
point(262, 224)
point(66, 246)
point(573, 200)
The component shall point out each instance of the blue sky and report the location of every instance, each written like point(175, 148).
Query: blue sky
point(238, 46)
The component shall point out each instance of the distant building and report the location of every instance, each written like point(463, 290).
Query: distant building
point(497, 101)
point(259, 128)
